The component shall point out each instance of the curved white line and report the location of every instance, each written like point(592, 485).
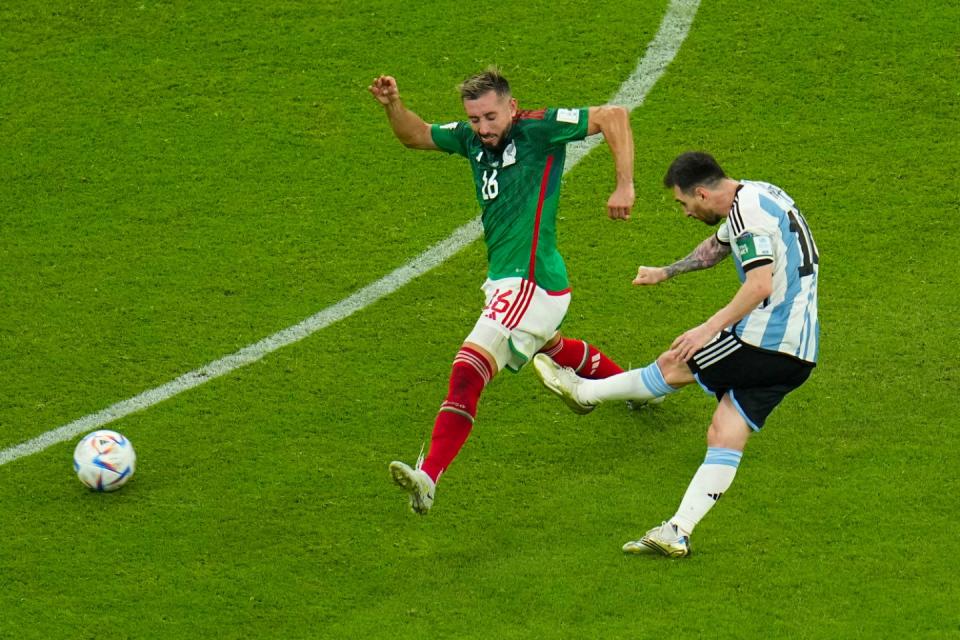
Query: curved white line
point(661, 51)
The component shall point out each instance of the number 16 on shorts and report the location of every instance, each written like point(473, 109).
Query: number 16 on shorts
point(499, 303)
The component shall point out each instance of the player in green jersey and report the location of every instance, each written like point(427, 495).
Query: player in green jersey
point(517, 161)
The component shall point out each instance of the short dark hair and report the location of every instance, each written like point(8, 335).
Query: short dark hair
point(692, 169)
point(490, 79)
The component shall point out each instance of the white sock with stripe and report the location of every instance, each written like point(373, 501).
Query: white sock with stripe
point(636, 384)
point(711, 481)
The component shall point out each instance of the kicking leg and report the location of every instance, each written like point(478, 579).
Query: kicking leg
point(662, 377)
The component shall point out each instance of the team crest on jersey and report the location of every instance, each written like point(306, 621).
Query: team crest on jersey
point(509, 155)
point(570, 116)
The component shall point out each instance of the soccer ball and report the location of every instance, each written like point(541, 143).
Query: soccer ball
point(104, 460)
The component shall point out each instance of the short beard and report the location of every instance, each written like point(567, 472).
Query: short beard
point(501, 145)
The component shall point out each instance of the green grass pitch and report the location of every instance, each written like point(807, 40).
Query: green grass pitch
point(181, 179)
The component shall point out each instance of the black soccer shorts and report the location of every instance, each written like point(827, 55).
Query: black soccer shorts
point(756, 379)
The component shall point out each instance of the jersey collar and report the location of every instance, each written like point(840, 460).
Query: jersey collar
point(499, 160)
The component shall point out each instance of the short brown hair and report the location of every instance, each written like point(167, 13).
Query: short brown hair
point(490, 79)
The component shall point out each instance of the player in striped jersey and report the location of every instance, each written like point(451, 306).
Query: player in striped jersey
point(750, 354)
point(516, 158)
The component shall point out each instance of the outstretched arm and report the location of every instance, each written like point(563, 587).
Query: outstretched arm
point(614, 123)
point(757, 287)
point(409, 128)
point(708, 253)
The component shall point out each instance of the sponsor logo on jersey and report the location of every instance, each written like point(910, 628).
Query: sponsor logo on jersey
point(570, 116)
point(449, 125)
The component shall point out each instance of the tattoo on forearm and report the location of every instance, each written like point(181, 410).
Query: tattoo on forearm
point(708, 253)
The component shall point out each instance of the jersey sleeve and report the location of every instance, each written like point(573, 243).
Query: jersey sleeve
point(451, 137)
point(753, 249)
point(753, 231)
point(723, 234)
point(560, 126)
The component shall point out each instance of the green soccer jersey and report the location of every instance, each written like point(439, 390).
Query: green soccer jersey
point(519, 189)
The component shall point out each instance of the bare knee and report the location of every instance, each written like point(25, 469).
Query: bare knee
point(728, 429)
point(718, 436)
point(675, 371)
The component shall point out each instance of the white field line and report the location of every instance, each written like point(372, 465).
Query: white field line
point(661, 51)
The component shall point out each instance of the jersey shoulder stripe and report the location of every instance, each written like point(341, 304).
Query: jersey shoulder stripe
point(530, 114)
point(755, 210)
point(736, 218)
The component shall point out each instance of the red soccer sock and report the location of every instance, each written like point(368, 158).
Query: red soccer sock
point(471, 372)
point(584, 358)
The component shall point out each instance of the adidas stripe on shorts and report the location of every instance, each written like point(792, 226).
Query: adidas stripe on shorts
point(518, 318)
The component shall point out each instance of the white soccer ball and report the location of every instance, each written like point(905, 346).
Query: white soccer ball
point(104, 460)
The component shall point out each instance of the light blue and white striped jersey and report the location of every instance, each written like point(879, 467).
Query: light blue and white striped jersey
point(764, 227)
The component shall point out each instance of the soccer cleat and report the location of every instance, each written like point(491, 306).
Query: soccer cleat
point(665, 540)
point(415, 482)
point(562, 381)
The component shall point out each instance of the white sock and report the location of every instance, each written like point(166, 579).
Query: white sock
point(711, 481)
point(636, 384)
